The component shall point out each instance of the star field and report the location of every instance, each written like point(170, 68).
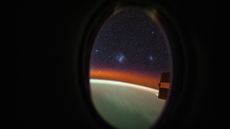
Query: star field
point(131, 41)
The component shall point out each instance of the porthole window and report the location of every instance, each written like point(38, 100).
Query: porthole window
point(130, 68)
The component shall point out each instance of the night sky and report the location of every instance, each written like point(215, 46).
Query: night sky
point(131, 47)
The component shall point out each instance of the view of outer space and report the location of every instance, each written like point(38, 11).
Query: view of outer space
point(129, 53)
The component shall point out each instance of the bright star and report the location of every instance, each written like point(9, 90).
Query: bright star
point(152, 58)
point(97, 50)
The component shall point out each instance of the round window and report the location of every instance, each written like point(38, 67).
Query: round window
point(130, 68)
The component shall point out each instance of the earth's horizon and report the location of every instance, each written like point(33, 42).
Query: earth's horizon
point(126, 105)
